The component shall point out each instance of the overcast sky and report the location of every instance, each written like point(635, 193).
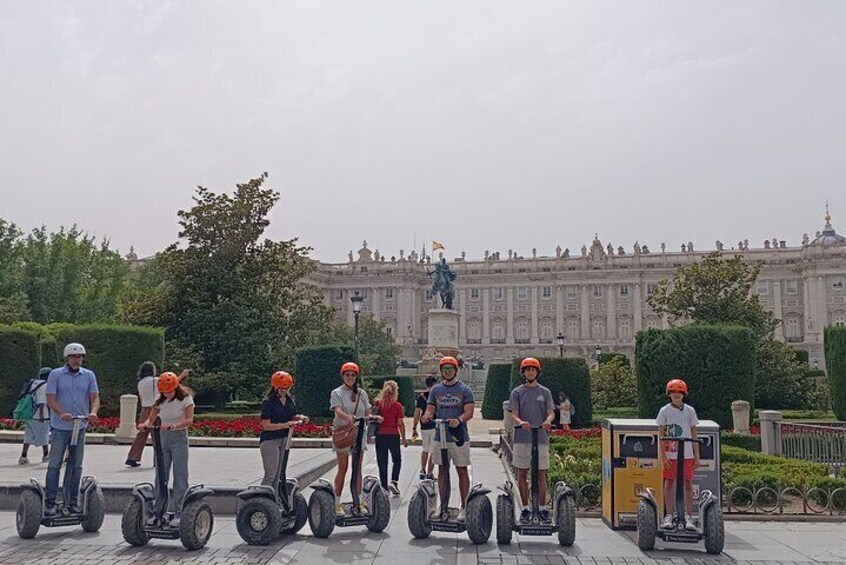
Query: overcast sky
point(484, 125)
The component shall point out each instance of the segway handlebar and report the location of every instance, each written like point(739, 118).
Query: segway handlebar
point(682, 439)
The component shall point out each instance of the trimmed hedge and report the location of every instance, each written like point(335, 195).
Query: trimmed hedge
point(497, 390)
point(606, 357)
point(835, 364)
point(114, 353)
point(20, 354)
point(317, 375)
point(406, 390)
point(716, 362)
point(743, 441)
point(563, 375)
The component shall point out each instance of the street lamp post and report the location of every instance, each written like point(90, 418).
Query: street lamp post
point(356, 300)
point(560, 339)
point(597, 353)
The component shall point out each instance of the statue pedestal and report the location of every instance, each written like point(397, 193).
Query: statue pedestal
point(443, 340)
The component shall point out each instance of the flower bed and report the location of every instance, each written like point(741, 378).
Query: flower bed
point(223, 427)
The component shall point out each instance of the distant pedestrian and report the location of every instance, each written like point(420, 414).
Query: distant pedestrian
point(37, 430)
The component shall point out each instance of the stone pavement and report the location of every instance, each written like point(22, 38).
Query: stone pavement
point(746, 542)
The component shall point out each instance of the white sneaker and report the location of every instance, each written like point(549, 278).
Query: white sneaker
point(689, 524)
point(393, 488)
point(339, 510)
point(23, 461)
point(462, 515)
point(667, 524)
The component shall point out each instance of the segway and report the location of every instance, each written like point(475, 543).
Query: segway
point(377, 507)
point(31, 508)
point(196, 520)
point(269, 510)
point(710, 519)
point(563, 508)
point(425, 514)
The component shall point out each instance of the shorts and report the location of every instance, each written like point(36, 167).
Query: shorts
point(428, 438)
point(458, 456)
point(669, 471)
point(37, 432)
point(521, 456)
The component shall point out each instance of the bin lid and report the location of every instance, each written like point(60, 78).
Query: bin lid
point(649, 424)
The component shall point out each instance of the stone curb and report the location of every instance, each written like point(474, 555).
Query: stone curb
point(223, 501)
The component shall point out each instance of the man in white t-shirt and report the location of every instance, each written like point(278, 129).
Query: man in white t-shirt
point(678, 420)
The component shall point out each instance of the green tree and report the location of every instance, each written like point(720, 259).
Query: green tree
point(12, 296)
point(235, 300)
point(781, 379)
point(613, 384)
point(714, 291)
point(378, 352)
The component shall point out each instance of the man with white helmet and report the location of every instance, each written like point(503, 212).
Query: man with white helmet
point(71, 391)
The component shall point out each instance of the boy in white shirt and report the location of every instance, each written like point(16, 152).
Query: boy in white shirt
point(678, 420)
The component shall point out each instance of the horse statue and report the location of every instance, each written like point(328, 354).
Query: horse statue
point(442, 283)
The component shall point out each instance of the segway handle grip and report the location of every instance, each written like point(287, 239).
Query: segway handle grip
point(519, 427)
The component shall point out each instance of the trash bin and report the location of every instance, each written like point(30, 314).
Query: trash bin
point(630, 463)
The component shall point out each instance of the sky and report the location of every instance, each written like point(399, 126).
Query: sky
point(482, 125)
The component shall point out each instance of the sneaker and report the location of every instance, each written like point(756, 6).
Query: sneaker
point(50, 510)
point(422, 476)
point(544, 516)
point(23, 461)
point(667, 524)
point(430, 476)
point(462, 515)
point(131, 463)
point(689, 525)
point(394, 488)
point(362, 508)
point(174, 523)
point(45, 459)
point(74, 508)
point(152, 522)
point(339, 510)
point(525, 516)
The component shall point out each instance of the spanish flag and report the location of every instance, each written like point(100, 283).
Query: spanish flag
point(437, 246)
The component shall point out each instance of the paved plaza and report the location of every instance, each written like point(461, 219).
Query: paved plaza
point(765, 542)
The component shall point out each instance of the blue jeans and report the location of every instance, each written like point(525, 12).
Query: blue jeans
point(59, 442)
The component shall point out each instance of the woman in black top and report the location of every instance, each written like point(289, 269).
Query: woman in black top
point(278, 410)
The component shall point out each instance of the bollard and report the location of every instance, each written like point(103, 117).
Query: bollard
point(740, 416)
point(770, 431)
point(128, 409)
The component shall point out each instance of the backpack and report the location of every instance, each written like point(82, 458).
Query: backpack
point(26, 406)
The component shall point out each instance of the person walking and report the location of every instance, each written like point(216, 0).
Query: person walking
point(37, 430)
point(389, 434)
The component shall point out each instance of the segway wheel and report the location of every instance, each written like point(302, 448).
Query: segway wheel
point(418, 522)
point(566, 520)
point(479, 519)
point(714, 528)
point(301, 513)
point(196, 525)
point(28, 518)
point(132, 523)
point(381, 511)
point(258, 521)
point(321, 513)
point(96, 511)
point(504, 519)
point(647, 525)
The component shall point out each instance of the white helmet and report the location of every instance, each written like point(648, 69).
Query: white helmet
point(73, 349)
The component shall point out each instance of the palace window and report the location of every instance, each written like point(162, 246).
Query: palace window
point(597, 291)
point(546, 292)
point(624, 290)
point(389, 294)
point(497, 293)
point(522, 293)
point(474, 294)
point(791, 287)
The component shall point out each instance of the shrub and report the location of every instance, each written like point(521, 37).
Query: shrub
point(781, 379)
point(406, 390)
point(114, 353)
point(613, 385)
point(20, 352)
point(317, 375)
point(497, 390)
point(564, 375)
point(742, 441)
point(835, 365)
point(620, 357)
point(708, 358)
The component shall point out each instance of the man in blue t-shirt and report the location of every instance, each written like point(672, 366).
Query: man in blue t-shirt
point(452, 400)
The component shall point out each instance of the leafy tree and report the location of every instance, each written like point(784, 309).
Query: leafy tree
point(714, 291)
point(12, 297)
point(613, 384)
point(781, 379)
point(377, 351)
point(235, 300)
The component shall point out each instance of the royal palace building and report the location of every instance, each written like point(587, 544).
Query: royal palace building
point(512, 306)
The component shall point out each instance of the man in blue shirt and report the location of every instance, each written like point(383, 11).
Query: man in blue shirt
point(71, 391)
point(452, 400)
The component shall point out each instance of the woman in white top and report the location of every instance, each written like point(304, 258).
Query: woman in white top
point(147, 394)
point(175, 408)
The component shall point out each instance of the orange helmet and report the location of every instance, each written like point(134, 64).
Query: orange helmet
point(448, 361)
point(350, 367)
point(529, 362)
point(168, 382)
point(281, 379)
point(677, 385)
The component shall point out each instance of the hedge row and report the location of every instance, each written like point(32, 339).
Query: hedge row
point(607, 357)
point(716, 362)
point(406, 390)
point(20, 352)
point(563, 375)
point(317, 371)
point(497, 390)
point(835, 364)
